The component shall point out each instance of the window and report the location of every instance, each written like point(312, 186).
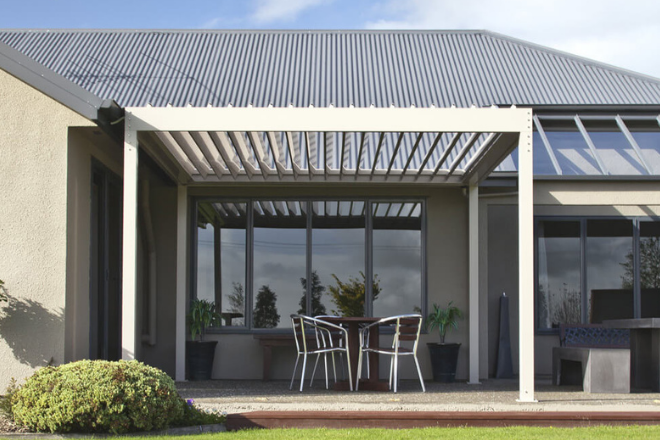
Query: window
point(362, 257)
point(593, 269)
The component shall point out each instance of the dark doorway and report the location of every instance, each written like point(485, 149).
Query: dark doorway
point(105, 264)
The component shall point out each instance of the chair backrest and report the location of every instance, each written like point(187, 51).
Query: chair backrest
point(406, 328)
point(324, 332)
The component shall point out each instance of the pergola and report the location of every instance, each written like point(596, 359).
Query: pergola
point(438, 146)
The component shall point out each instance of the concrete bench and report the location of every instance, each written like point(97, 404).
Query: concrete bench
point(594, 356)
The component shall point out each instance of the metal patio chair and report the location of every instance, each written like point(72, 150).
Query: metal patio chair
point(338, 338)
point(325, 334)
point(406, 329)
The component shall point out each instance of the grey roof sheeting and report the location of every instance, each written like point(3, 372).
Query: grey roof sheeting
point(53, 84)
point(323, 68)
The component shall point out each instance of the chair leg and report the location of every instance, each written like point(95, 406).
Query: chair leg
point(334, 366)
point(325, 362)
point(396, 372)
point(295, 367)
point(391, 371)
point(350, 375)
point(302, 377)
point(419, 373)
point(314, 371)
point(359, 370)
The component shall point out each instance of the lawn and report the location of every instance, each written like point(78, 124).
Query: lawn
point(599, 432)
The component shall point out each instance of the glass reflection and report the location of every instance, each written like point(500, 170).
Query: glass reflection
point(572, 152)
point(613, 148)
point(649, 252)
point(221, 256)
point(648, 138)
point(559, 300)
point(609, 269)
point(397, 258)
point(338, 243)
point(279, 261)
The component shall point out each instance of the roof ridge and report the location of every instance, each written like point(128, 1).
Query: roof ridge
point(578, 58)
point(250, 31)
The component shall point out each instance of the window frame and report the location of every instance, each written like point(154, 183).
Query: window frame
point(583, 219)
point(249, 252)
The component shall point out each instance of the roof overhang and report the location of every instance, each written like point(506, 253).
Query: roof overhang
point(458, 146)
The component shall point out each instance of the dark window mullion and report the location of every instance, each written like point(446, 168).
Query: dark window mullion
point(637, 263)
point(308, 256)
point(249, 264)
point(368, 260)
point(583, 271)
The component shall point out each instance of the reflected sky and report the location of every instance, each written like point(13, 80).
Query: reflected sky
point(338, 248)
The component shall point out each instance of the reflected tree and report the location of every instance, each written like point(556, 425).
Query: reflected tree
point(649, 252)
point(567, 309)
point(265, 310)
point(349, 296)
point(236, 301)
point(317, 290)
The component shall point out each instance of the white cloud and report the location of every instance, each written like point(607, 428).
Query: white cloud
point(268, 11)
point(622, 34)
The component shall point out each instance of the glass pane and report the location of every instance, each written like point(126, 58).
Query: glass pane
point(609, 269)
point(572, 152)
point(221, 245)
point(649, 250)
point(542, 163)
point(397, 258)
point(613, 148)
point(558, 295)
point(338, 243)
point(647, 137)
point(279, 262)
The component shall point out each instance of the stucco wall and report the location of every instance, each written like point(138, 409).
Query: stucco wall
point(240, 356)
point(33, 226)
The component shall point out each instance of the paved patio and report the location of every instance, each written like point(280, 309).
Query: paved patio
point(492, 395)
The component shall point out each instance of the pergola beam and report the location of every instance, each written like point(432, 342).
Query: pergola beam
point(484, 120)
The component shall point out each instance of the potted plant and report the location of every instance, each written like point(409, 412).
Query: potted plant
point(444, 355)
point(200, 354)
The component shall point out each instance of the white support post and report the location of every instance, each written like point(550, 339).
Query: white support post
point(526, 263)
point(473, 227)
point(181, 282)
point(129, 248)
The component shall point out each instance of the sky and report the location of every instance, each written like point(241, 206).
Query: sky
point(624, 34)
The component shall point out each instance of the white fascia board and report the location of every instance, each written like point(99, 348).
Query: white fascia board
point(485, 120)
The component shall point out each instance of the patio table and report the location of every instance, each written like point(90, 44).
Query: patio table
point(353, 324)
point(644, 350)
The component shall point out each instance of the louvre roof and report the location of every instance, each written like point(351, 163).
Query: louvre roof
point(324, 68)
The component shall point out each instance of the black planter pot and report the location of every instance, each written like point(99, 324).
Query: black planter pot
point(200, 357)
point(443, 361)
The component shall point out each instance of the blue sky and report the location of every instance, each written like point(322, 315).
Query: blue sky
point(624, 34)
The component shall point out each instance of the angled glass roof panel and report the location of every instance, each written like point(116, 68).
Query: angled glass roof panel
point(542, 163)
point(571, 150)
point(613, 148)
point(647, 136)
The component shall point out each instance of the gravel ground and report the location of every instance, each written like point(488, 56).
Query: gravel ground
point(491, 395)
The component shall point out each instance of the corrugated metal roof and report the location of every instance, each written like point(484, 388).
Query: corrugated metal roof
point(323, 68)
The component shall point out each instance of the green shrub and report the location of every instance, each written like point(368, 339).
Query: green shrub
point(5, 401)
point(98, 396)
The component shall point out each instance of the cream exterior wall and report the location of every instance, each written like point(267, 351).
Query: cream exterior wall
point(240, 356)
point(33, 227)
point(499, 246)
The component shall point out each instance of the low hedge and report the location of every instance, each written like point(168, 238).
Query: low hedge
point(98, 396)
